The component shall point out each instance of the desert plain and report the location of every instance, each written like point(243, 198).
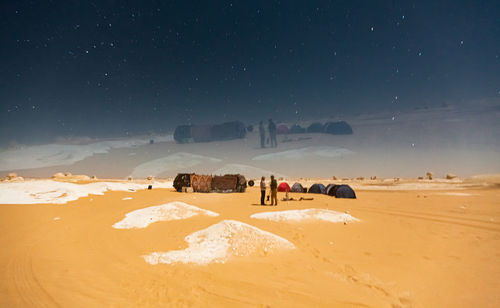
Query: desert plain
point(415, 243)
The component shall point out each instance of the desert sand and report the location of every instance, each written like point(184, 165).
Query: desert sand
point(407, 245)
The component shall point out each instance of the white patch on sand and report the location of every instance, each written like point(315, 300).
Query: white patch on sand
point(220, 242)
point(248, 171)
point(457, 194)
point(321, 151)
point(166, 212)
point(127, 198)
point(305, 215)
point(48, 191)
point(48, 155)
point(171, 162)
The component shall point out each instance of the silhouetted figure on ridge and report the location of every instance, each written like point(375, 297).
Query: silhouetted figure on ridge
point(272, 133)
point(262, 132)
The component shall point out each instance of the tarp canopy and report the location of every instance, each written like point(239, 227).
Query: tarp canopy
point(317, 189)
point(345, 191)
point(297, 187)
point(338, 128)
point(283, 187)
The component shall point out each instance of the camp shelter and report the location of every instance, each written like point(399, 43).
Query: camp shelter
point(283, 187)
point(315, 128)
point(228, 131)
point(201, 133)
point(182, 134)
point(345, 191)
point(297, 187)
point(224, 183)
point(282, 129)
point(330, 189)
point(201, 183)
point(297, 129)
point(317, 189)
point(207, 133)
point(182, 180)
point(337, 128)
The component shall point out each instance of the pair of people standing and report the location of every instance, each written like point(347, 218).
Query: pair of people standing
point(274, 191)
point(272, 134)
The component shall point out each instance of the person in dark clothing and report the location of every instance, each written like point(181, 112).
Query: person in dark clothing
point(262, 191)
point(272, 133)
point(274, 191)
point(262, 133)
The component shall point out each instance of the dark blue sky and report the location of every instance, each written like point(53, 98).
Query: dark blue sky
point(105, 68)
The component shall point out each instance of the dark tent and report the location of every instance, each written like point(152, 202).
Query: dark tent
point(338, 128)
point(317, 189)
point(283, 187)
point(297, 129)
point(331, 189)
point(229, 131)
point(344, 191)
point(297, 187)
point(182, 134)
point(315, 128)
point(182, 180)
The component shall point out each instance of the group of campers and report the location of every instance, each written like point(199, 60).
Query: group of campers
point(334, 190)
point(228, 183)
point(273, 191)
point(271, 127)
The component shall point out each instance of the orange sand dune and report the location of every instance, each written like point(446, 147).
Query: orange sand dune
point(409, 249)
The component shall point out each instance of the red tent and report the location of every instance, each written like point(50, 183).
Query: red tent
point(283, 187)
point(282, 129)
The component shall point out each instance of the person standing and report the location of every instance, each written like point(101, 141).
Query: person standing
point(274, 191)
point(272, 133)
point(262, 133)
point(262, 191)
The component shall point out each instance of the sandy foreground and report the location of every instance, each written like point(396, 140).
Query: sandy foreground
point(410, 248)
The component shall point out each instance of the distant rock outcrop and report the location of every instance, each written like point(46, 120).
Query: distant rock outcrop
point(451, 176)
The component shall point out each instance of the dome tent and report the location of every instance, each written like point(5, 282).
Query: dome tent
point(283, 187)
point(345, 191)
point(317, 189)
point(338, 128)
point(297, 187)
point(297, 129)
point(331, 189)
point(315, 128)
point(282, 129)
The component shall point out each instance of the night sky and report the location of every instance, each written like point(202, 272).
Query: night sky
point(116, 68)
